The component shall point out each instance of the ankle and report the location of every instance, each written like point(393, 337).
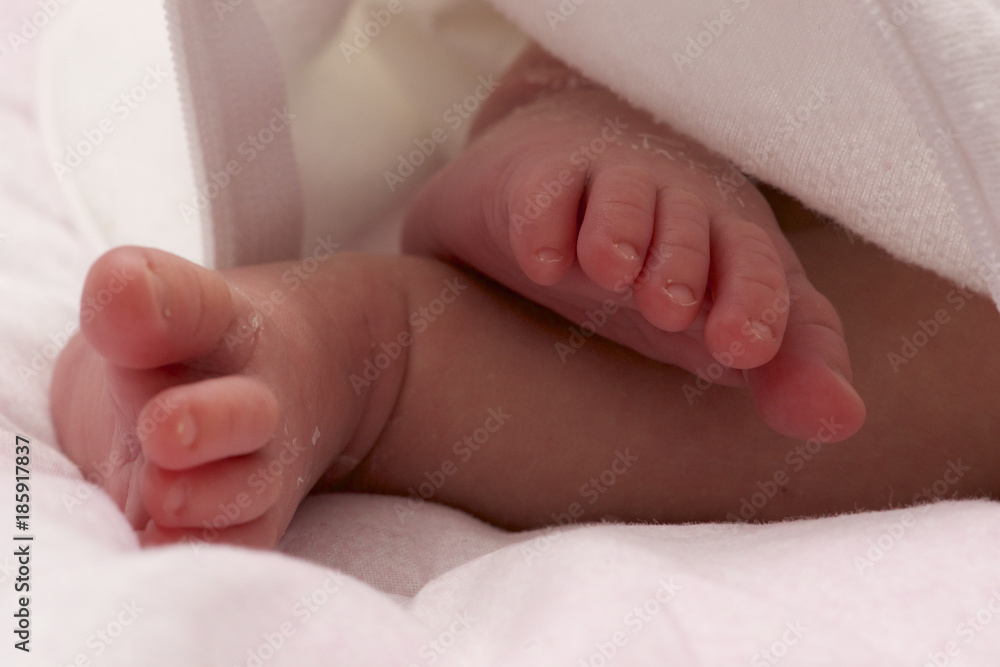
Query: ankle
point(359, 338)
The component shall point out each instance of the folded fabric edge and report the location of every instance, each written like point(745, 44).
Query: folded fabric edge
point(239, 131)
point(930, 91)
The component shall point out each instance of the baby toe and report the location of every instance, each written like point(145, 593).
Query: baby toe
point(671, 287)
point(617, 226)
point(751, 299)
point(193, 424)
point(543, 203)
point(221, 494)
point(144, 308)
point(805, 391)
point(261, 533)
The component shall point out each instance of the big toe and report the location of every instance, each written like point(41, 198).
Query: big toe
point(144, 308)
point(750, 311)
point(805, 392)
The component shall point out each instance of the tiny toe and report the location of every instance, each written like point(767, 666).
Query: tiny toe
point(144, 308)
point(193, 424)
point(805, 392)
point(671, 287)
point(261, 533)
point(750, 292)
point(802, 395)
point(543, 204)
point(235, 491)
point(617, 226)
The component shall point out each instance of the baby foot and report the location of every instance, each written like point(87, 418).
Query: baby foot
point(577, 199)
point(199, 391)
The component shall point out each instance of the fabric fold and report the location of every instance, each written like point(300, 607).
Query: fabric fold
point(233, 88)
point(798, 96)
point(945, 59)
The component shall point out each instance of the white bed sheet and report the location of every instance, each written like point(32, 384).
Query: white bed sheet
point(358, 586)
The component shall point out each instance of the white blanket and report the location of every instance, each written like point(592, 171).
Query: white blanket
point(883, 115)
point(908, 587)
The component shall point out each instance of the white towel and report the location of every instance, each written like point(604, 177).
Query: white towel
point(865, 116)
point(886, 118)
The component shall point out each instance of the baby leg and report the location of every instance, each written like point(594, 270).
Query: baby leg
point(523, 436)
point(570, 197)
point(381, 374)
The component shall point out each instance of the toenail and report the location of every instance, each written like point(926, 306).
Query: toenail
point(160, 291)
point(680, 294)
point(549, 255)
point(176, 497)
point(758, 330)
point(841, 377)
point(627, 250)
point(186, 430)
